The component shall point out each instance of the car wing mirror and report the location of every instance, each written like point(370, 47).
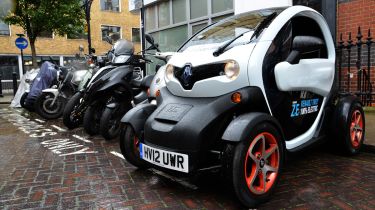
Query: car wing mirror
point(302, 45)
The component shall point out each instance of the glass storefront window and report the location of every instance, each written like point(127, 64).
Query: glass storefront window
point(179, 11)
point(28, 63)
point(221, 5)
point(4, 29)
point(112, 31)
point(163, 13)
point(198, 8)
point(197, 27)
point(150, 18)
point(315, 4)
point(110, 5)
point(8, 65)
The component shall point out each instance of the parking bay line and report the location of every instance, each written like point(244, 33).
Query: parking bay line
point(82, 139)
point(39, 120)
point(59, 128)
point(117, 154)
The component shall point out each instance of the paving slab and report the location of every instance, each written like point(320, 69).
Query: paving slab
point(45, 166)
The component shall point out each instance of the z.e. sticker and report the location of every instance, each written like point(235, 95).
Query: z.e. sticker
point(304, 107)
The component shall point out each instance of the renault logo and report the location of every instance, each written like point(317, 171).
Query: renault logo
point(186, 76)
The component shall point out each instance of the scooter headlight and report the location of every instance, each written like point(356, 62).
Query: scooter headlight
point(232, 69)
point(169, 72)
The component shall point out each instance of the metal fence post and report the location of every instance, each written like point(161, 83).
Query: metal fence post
point(369, 89)
point(349, 47)
point(14, 74)
point(1, 86)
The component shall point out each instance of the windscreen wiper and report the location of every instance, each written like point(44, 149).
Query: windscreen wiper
point(256, 33)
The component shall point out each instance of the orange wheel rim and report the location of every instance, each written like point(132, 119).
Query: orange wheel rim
point(356, 129)
point(262, 163)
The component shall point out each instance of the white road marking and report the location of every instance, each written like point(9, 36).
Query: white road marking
point(59, 128)
point(81, 138)
point(18, 111)
point(39, 120)
point(117, 154)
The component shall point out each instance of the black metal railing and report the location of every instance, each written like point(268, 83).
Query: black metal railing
point(354, 75)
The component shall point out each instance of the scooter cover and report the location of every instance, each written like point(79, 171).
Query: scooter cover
point(43, 80)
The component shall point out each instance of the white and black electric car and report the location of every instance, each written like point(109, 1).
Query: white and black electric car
point(242, 93)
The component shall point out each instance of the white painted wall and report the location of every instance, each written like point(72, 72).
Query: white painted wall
point(241, 6)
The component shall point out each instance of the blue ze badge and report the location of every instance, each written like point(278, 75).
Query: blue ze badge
point(304, 107)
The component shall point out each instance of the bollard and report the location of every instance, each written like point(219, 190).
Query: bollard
point(1, 86)
point(14, 74)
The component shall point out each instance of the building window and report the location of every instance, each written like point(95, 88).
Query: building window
point(221, 5)
point(110, 5)
point(46, 34)
point(150, 18)
point(112, 31)
point(163, 14)
point(136, 35)
point(78, 35)
point(40, 60)
point(179, 11)
point(198, 8)
point(4, 29)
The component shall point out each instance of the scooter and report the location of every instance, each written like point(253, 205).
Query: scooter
point(75, 108)
point(122, 89)
point(240, 95)
point(50, 104)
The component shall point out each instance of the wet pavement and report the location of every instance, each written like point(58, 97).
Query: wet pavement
point(44, 166)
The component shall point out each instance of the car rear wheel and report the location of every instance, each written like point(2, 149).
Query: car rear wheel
point(256, 166)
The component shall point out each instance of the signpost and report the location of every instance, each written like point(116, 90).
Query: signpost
point(21, 43)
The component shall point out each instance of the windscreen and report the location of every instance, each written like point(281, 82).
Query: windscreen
point(229, 28)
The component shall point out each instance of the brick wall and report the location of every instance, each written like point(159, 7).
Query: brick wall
point(63, 46)
point(350, 15)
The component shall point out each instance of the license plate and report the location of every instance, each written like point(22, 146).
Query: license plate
point(165, 159)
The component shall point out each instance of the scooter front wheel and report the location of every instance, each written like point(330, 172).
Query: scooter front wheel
point(110, 121)
point(129, 145)
point(256, 165)
point(91, 119)
point(70, 118)
point(48, 107)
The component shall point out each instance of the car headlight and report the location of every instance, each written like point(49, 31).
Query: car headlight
point(169, 72)
point(232, 69)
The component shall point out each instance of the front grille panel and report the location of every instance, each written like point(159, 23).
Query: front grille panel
point(198, 73)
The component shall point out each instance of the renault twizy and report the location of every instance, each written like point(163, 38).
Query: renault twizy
point(242, 93)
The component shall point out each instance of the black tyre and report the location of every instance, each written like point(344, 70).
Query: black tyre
point(256, 165)
point(111, 120)
point(43, 106)
point(350, 137)
point(91, 119)
point(70, 119)
point(23, 100)
point(129, 145)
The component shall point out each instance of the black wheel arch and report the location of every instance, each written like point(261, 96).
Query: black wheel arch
point(239, 128)
point(137, 116)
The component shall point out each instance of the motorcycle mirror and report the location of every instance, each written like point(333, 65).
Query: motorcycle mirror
point(92, 50)
point(108, 39)
point(150, 39)
point(81, 48)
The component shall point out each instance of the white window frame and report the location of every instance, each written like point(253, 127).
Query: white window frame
point(101, 34)
point(10, 32)
point(119, 9)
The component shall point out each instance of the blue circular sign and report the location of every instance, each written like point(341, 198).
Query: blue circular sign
point(21, 43)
